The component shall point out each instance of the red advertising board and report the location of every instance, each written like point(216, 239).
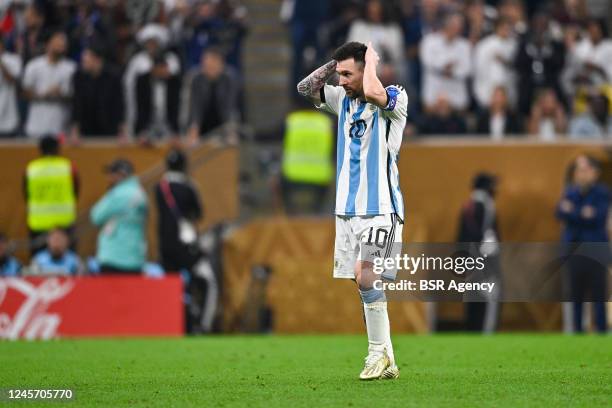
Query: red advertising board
point(43, 308)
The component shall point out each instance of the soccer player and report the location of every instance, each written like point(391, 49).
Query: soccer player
point(369, 205)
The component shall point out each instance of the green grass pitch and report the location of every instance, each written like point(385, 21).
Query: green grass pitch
point(315, 371)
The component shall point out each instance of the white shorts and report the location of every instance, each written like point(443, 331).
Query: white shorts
point(363, 238)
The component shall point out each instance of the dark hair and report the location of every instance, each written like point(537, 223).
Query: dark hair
point(601, 23)
point(385, 10)
point(63, 231)
point(593, 161)
point(52, 33)
point(214, 50)
point(501, 22)
point(571, 168)
point(484, 181)
point(49, 145)
point(449, 15)
point(355, 50)
point(38, 8)
point(519, 3)
point(176, 160)
point(97, 47)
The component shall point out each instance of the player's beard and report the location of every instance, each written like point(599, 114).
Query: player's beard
point(351, 93)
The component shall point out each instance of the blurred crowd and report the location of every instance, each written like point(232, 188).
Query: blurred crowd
point(152, 69)
point(142, 69)
point(473, 66)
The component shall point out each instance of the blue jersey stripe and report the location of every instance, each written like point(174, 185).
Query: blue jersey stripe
point(354, 176)
point(372, 168)
point(354, 165)
point(341, 140)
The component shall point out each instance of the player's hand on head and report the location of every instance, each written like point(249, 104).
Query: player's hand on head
point(371, 56)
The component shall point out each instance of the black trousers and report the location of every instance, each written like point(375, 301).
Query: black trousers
point(588, 283)
point(112, 270)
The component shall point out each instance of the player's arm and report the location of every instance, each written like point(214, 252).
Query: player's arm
point(373, 89)
point(310, 87)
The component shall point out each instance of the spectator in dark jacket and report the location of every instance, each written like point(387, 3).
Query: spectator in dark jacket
point(179, 210)
point(157, 101)
point(539, 62)
point(443, 120)
point(213, 96)
point(584, 211)
point(479, 210)
point(97, 108)
point(498, 121)
point(478, 226)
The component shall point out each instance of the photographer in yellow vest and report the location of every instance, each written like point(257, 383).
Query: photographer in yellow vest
point(307, 167)
point(51, 189)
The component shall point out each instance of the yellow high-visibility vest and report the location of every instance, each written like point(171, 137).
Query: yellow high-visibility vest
point(308, 148)
point(51, 199)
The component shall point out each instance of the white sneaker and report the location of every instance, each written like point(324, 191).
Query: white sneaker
point(375, 365)
point(391, 373)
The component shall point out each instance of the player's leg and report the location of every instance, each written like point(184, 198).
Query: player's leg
point(346, 250)
point(380, 238)
point(376, 319)
point(347, 265)
point(394, 248)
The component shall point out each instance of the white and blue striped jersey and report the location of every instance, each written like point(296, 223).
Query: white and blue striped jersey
point(369, 140)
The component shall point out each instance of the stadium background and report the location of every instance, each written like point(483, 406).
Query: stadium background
point(239, 181)
point(272, 261)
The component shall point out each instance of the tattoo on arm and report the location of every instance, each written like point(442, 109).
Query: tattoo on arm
point(311, 85)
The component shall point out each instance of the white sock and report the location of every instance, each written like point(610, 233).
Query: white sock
point(377, 324)
point(388, 344)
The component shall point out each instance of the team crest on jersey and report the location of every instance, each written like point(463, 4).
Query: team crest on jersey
point(358, 129)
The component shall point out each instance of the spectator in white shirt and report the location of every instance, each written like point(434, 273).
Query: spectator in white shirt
point(514, 11)
point(47, 84)
point(479, 20)
point(386, 37)
point(10, 70)
point(592, 57)
point(493, 58)
point(446, 59)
